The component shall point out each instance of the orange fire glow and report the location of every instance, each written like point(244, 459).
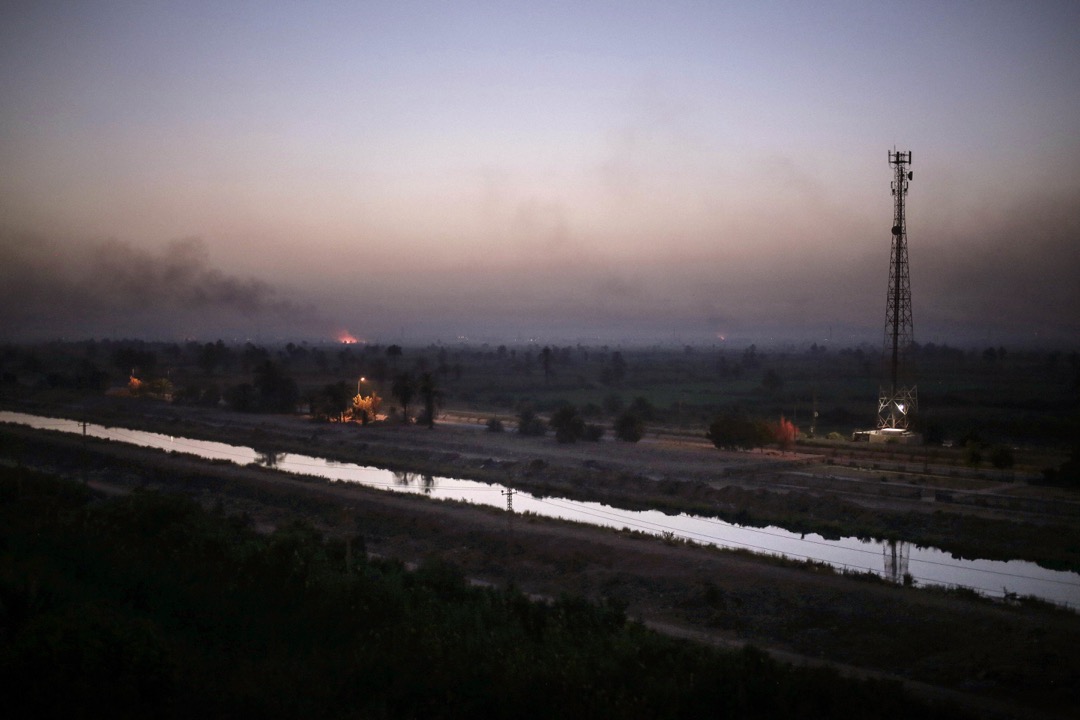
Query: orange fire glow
point(347, 338)
point(785, 432)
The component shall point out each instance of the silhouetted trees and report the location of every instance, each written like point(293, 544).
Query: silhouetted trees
point(332, 401)
point(430, 394)
point(213, 356)
point(546, 358)
point(1001, 457)
point(568, 424)
point(630, 427)
point(404, 389)
point(615, 371)
point(1067, 474)
point(643, 409)
point(393, 354)
point(734, 431)
point(277, 392)
point(134, 359)
point(529, 424)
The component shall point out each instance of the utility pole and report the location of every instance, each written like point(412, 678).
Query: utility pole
point(897, 399)
point(83, 454)
point(508, 493)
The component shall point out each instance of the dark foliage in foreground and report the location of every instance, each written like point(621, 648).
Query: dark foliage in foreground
point(1068, 475)
point(149, 606)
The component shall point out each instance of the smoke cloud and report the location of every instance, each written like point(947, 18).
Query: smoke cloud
point(50, 288)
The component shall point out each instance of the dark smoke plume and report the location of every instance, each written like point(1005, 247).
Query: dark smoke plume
point(112, 288)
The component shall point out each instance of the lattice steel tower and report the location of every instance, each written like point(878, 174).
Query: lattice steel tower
point(897, 400)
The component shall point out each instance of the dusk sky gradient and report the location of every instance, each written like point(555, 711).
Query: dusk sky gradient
point(623, 171)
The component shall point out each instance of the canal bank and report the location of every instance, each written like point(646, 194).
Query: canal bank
point(1024, 654)
point(895, 560)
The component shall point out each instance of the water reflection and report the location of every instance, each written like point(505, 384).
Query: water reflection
point(897, 555)
point(269, 458)
point(424, 481)
point(924, 566)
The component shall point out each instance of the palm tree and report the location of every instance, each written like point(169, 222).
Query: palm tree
point(545, 361)
point(430, 393)
point(404, 388)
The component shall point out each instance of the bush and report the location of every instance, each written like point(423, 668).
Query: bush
point(629, 427)
point(495, 425)
point(973, 453)
point(736, 432)
point(1001, 457)
point(529, 424)
point(593, 433)
point(568, 424)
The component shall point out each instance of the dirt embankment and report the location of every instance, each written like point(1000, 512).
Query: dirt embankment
point(1013, 660)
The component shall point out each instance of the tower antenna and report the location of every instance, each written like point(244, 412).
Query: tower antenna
point(898, 399)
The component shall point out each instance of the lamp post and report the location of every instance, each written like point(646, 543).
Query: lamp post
point(359, 400)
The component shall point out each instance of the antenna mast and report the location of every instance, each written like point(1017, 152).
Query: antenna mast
point(897, 399)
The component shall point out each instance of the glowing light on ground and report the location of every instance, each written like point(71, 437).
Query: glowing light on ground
point(347, 338)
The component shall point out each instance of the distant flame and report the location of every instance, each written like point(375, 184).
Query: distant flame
point(347, 338)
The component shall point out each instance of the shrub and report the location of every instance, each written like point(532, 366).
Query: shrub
point(973, 453)
point(530, 424)
point(1001, 457)
point(568, 424)
point(629, 427)
point(736, 432)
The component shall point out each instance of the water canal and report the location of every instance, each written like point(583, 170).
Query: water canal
point(926, 566)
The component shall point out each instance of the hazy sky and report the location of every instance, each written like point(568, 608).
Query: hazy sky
point(669, 170)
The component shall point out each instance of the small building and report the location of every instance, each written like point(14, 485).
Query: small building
point(895, 436)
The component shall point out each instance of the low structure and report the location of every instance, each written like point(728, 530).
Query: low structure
point(896, 436)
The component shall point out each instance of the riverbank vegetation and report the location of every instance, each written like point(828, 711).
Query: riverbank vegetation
point(147, 604)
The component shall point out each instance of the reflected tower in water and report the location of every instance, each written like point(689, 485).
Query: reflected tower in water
point(896, 555)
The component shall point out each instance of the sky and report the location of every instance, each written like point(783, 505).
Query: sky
point(688, 172)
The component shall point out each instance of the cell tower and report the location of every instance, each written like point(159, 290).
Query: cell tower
point(897, 400)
